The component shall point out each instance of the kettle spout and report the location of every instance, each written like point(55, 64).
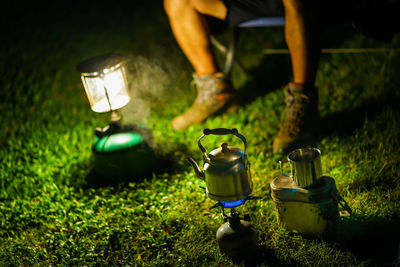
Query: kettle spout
point(196, 167)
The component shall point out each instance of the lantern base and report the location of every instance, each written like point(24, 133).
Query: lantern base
point(124, 151)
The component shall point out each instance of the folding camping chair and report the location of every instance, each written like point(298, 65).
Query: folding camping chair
point(229, 52)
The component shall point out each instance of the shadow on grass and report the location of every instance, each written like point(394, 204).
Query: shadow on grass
point(371, 239)
point(345, 122)
point(266, 257)
point(168, 162)
point(271, 74)
point(262, 256)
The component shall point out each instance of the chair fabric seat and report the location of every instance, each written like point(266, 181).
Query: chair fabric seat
point(263, 22)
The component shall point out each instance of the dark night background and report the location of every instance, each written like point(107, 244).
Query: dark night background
point(55, 211)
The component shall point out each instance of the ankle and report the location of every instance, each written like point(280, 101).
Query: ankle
point(207, 74)
point(306, 88)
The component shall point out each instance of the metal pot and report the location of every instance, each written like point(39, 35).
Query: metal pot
point(310, 211)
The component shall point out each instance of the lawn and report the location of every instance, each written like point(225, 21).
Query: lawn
point(55, 210)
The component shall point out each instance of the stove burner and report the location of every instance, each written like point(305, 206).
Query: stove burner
point(232, 204)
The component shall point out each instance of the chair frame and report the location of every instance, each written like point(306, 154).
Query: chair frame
point(229, 52)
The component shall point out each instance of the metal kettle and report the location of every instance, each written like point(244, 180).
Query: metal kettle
point(226, 169)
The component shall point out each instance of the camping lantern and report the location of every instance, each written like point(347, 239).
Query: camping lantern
point(105, 82)
point(119, 150)
point(228, 181)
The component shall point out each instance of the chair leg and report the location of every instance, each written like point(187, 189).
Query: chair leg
point(229, 53)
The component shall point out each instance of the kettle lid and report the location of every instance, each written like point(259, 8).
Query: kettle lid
point(226, 155)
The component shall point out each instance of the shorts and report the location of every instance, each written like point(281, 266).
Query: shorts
point(244, 10)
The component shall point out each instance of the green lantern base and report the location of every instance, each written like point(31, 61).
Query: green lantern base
point(123, 155)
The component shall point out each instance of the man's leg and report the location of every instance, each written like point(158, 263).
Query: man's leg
point(303, 36)
point(191, 30)
point(193, 36)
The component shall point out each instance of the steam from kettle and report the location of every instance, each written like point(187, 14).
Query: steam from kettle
point(149, 83)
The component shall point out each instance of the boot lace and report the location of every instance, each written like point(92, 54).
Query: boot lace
point(208, 87)
point(296, 113)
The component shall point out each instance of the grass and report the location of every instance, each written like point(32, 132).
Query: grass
point(53, 211)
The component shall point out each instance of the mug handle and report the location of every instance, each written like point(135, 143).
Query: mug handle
point(281, 162)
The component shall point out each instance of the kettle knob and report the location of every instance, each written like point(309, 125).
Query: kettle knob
point(225, 148)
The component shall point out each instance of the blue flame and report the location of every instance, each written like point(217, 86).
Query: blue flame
point(233, 204)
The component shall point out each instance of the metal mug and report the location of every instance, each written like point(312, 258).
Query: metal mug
point(305, 165)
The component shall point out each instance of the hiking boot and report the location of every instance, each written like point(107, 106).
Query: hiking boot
point(301, 116)
point(214, 93)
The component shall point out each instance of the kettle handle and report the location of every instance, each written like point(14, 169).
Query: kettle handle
point(221, 131)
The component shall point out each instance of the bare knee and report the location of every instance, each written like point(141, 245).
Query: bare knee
point(293, 6)
point(175, 8)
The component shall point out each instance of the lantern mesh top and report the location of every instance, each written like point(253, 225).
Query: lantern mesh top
point(99, 63)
